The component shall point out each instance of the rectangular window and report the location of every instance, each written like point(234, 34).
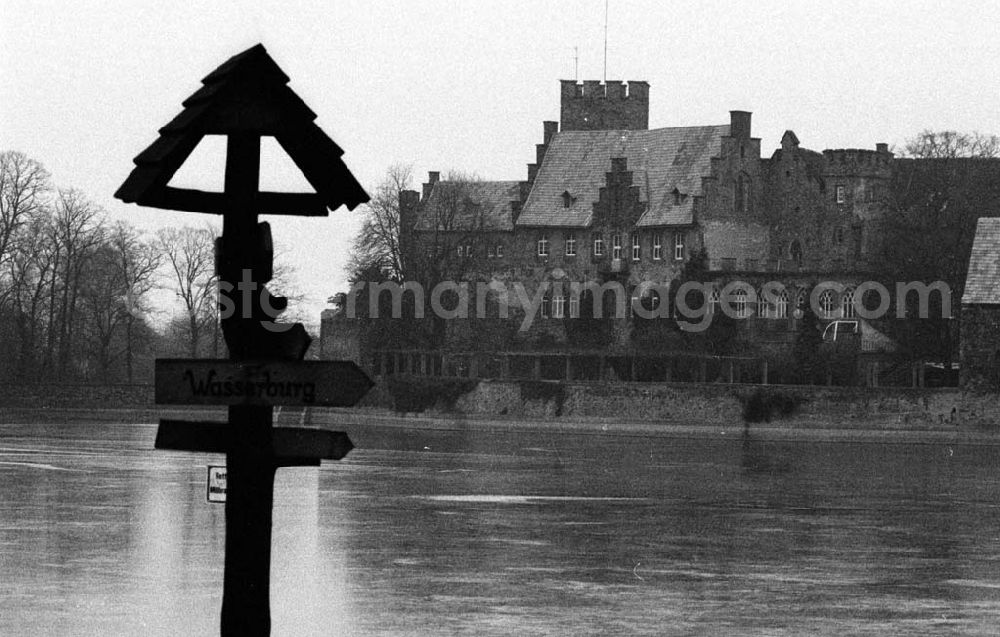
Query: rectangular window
point(571, 245)
point(558, 306)
point(598, 244)
point(490, 252)
point(459, 250)
point(616, 246)
point(678, 246)
point(657, 246)
point(468, 251)
point(636, 249)
point(546, 303)
point(841, 194)
point(499, 250)
point(543, 245)
point(574, 306)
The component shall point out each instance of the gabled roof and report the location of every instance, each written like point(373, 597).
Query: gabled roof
point(660, 160)
point(247, 94)
point(982, 283)
point(469, 205)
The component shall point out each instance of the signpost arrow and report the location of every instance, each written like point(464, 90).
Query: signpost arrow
point(226, 382)
point(290, 446)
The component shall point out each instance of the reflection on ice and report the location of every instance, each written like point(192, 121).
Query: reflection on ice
point(490, 536)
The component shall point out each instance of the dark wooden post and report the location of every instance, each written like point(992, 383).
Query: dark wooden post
point(764, 372)
point(536, 373)
point(569, 367)
point(246, 602)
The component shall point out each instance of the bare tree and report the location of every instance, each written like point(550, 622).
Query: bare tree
point(377, 245)
point(118, 279)
point(944, 183)
point(138, 261)
point(78, 229)
point(449, 234)
point(24, 185)
point(29, 271)
point(951, 145)
point(189, 256)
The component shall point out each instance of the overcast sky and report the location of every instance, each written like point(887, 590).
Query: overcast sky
point(466, 85)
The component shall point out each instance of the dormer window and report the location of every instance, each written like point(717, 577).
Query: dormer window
point(677, 197)
point(567, 199)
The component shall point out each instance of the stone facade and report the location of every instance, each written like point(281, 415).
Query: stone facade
point(980, 347)
point(609, 200)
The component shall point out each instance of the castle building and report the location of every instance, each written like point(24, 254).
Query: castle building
point(609, 199)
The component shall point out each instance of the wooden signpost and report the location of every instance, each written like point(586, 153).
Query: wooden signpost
point(247, 98)
point(225, 382)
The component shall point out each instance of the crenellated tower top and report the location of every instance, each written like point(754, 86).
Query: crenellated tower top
point(594, 105)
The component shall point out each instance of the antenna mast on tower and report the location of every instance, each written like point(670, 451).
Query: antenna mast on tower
point(605, 41)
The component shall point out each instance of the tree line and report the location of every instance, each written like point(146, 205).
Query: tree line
point(77, 298)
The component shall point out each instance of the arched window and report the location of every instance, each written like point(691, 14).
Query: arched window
point(740, 303)
point(744, 193)
point(781, 307)
point(801, 300)
point(650, 299)
point(558, 306)
point(765, 309)
point(713, 301)
point(795, 252)
point(847, 304)
point(546, 305)
point(826, 303)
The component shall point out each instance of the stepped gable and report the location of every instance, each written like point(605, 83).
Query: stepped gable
point(663, 159)
point(477, 205)
point(246, 94)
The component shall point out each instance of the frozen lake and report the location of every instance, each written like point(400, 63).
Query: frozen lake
point(466, 530)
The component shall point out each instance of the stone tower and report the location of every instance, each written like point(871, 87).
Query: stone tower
point(612, 106)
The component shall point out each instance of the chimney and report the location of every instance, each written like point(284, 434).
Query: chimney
point(881, 147)
point(739, 124)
